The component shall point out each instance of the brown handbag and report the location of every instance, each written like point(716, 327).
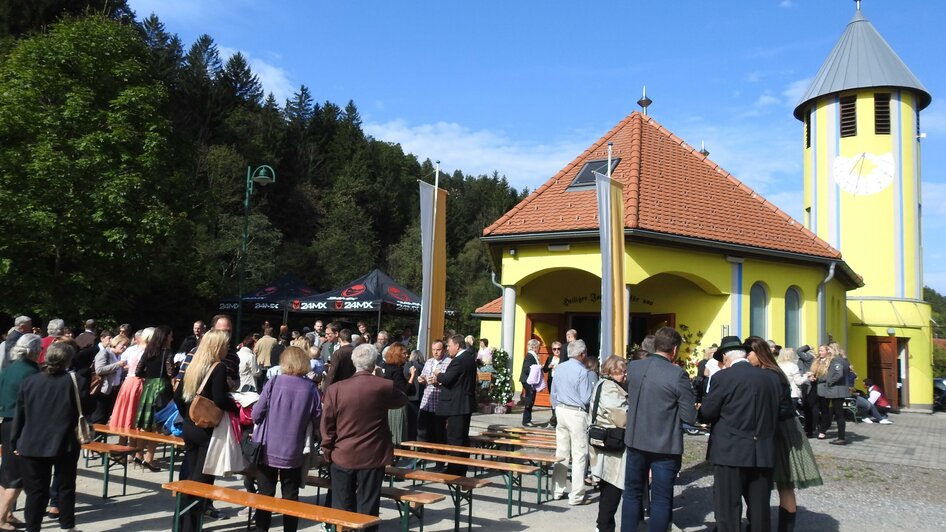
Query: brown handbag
point(204, 412)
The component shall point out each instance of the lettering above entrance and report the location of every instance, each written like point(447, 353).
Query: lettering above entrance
point(595, 297)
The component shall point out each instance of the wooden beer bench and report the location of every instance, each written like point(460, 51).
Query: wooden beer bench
point(509, 442)
point(519, 436)
point(512, 473)
point(146, 435)
point(409, 502)
point(112, 455)
point(341, 519)
point(540, 460)
point(460, 488)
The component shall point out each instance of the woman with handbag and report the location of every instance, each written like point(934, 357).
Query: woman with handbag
point(49, 407)
point(109, 368)
point(608, 414)
point(286, 415)
point(203, 395)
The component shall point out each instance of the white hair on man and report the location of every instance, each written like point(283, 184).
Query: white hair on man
point(577, 349)
point(55, 327)
point(357, 340)
point(364, 357)
point(533, 345)
point(735, 354)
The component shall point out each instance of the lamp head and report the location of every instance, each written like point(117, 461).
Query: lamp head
point(264, 175)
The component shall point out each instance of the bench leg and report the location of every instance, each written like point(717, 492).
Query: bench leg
point(538, 485)
point(106, 459)
point(177, 512)
point(404, 508)
point(171, 465)
point(508, 478)
point(124, 475)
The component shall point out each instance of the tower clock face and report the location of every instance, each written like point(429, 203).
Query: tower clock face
point(864, 174)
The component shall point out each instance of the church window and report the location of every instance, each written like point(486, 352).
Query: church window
point(882, 113)
point(792, 317)
point(586, 177)
point(808, 129)
point(848, 116)
point(758, 310)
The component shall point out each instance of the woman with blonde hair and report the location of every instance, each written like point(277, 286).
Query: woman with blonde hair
point(204, 366)
point(286, 415)
point(126, 402)
point(830, 371)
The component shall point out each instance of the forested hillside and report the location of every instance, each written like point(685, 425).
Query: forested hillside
point(123, 154)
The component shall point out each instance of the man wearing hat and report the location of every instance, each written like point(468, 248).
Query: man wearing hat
point(744, 405)
point(21, 325)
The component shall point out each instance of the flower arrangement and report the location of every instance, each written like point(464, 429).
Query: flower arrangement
point(501, 391)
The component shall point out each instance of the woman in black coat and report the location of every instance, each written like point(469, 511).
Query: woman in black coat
point(44, 435)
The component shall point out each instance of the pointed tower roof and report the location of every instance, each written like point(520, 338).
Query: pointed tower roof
point(670, 188)
point(861, 59)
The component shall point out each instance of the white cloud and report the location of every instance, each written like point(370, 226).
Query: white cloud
point(786, 4)
point(765, 100)
point(525, 164)
point(933, 120)
point(795, 91)
point(273, 78)
point(934, 204)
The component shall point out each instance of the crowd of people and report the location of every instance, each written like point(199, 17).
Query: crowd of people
point(334, 397)
point(323, 395)
point(623, 425)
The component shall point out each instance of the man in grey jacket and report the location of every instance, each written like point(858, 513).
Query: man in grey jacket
point(659, 399)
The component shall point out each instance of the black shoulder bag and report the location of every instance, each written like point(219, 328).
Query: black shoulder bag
point(609, 439)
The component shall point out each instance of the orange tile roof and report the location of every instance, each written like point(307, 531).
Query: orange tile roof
point(493, 307)
point(670, 188)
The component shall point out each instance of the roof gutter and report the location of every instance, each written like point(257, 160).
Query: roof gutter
point(823, 305)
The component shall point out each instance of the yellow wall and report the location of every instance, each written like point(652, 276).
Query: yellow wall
point(492, 330)
point(694, 285)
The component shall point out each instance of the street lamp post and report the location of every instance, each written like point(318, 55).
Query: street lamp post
point(262, 175)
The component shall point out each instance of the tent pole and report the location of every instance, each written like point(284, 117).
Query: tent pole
point(379, 322)
point(285, 313)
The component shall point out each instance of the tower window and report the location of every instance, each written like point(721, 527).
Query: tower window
point(848, 116)
point(758, 310)
point(808, 130)
point(586, 177)
point(882, 113)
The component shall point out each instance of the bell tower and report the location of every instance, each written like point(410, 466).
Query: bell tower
point(862, 137)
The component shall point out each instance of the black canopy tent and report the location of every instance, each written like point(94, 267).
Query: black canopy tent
point(277, 296)
point(373, 292)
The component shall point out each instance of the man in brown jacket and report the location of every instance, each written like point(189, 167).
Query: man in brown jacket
point(356, 440)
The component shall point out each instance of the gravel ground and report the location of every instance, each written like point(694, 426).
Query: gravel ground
point(857, 495)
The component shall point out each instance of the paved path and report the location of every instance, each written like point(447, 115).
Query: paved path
point(890, 478)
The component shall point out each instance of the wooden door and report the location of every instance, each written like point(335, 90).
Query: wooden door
point(546, 328)
point(882, 366)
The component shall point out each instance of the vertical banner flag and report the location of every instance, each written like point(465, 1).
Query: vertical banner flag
point(611, 235)
point(433, 237)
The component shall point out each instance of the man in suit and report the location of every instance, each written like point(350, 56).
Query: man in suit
point(342, 366)
point(457, 396)
point(659, 400)
point(356, 440)
point(744, 405)
point(528, 391)
point(86, 338)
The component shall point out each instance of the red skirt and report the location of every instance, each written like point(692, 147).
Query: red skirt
point(126, 404)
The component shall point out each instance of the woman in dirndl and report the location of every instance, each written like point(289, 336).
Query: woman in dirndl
point(156, 392)
point(795, 465)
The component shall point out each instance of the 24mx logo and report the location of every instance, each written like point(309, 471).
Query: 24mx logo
point(313, 305)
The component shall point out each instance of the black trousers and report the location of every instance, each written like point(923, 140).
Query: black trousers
point(832, 408)
point(809, 404)
point(37, 474)
point(289, 482)
point(103, 407)
point(730, 485)
point(458, 433)
point(608, 504)
point(194, 458)
point(528, 401)
point(431, 427)
point(357, 490)
point(413, 413)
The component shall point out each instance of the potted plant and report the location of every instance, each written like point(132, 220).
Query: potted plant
point(501, 391)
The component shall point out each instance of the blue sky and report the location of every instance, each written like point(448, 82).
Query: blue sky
point(525, 86)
